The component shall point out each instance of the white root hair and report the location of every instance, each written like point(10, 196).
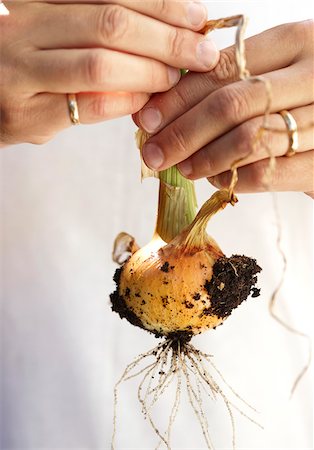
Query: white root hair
point(180, 363)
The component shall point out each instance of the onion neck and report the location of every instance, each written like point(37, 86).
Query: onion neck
point(176, 204)
point(177, 200)
point(176, 218)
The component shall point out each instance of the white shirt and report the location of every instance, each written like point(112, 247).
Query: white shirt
point(62, 347)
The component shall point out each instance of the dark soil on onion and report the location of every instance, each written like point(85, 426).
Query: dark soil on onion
point(233, 281)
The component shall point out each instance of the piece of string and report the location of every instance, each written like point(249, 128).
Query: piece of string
point(240, 22)
point(272, 302)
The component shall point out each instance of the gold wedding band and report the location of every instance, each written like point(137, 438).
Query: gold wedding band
point(73, 109)
point(292, 129)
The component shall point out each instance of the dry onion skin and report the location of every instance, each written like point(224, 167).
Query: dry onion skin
point(182, 284)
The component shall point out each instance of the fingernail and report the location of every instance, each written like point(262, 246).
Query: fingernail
point(185, 167)
point(150, 119)
point(153, 156)
point(207, 53)
point(174, 75)
point(197, 13)
point(215, 181)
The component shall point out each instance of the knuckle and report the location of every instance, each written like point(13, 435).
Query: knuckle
point(98, 108)
point(179, 97)
point(226, 71)
point(112, 23)
point(176, 43)
point(232, 104)
point(245, 135)
point(95, 68)
point(157, 77)
point(178, 141)
point(206, 162)
point(258, 175)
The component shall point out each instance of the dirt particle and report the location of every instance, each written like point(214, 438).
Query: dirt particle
point(255, 292)
point(165, 267)
point(188, 304)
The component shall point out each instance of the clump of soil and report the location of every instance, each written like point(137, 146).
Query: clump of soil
point(166, 267)
point(232, 282)
point(119, 305)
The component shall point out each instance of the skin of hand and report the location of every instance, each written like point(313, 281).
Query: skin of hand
point(111, 55)
point(210, 120)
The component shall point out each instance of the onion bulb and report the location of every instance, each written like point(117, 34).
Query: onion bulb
point(186, 286)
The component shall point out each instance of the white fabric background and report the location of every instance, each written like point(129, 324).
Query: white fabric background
point(62, 348)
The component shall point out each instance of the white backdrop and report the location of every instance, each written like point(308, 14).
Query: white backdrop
point(62, 348)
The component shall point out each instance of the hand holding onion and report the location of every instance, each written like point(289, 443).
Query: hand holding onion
point(107, 53)
point(209, 120)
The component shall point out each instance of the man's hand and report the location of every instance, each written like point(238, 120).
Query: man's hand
point(210, 120)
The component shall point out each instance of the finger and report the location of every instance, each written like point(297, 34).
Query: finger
point(97, 107)
point(286, 43)
point(218, 156)
point(44, 115)
point(117, 28)
point(97, 70)
point(291, 174)
point(225, 109)
point(187, 14)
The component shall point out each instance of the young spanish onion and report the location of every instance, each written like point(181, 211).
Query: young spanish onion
point(186, 286)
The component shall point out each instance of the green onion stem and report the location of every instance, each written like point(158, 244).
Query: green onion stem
point(176, 205)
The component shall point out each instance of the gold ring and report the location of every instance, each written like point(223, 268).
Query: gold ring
point(292, 129)
point(73, 108)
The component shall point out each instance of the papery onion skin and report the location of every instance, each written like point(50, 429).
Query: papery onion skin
point(168, 291)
